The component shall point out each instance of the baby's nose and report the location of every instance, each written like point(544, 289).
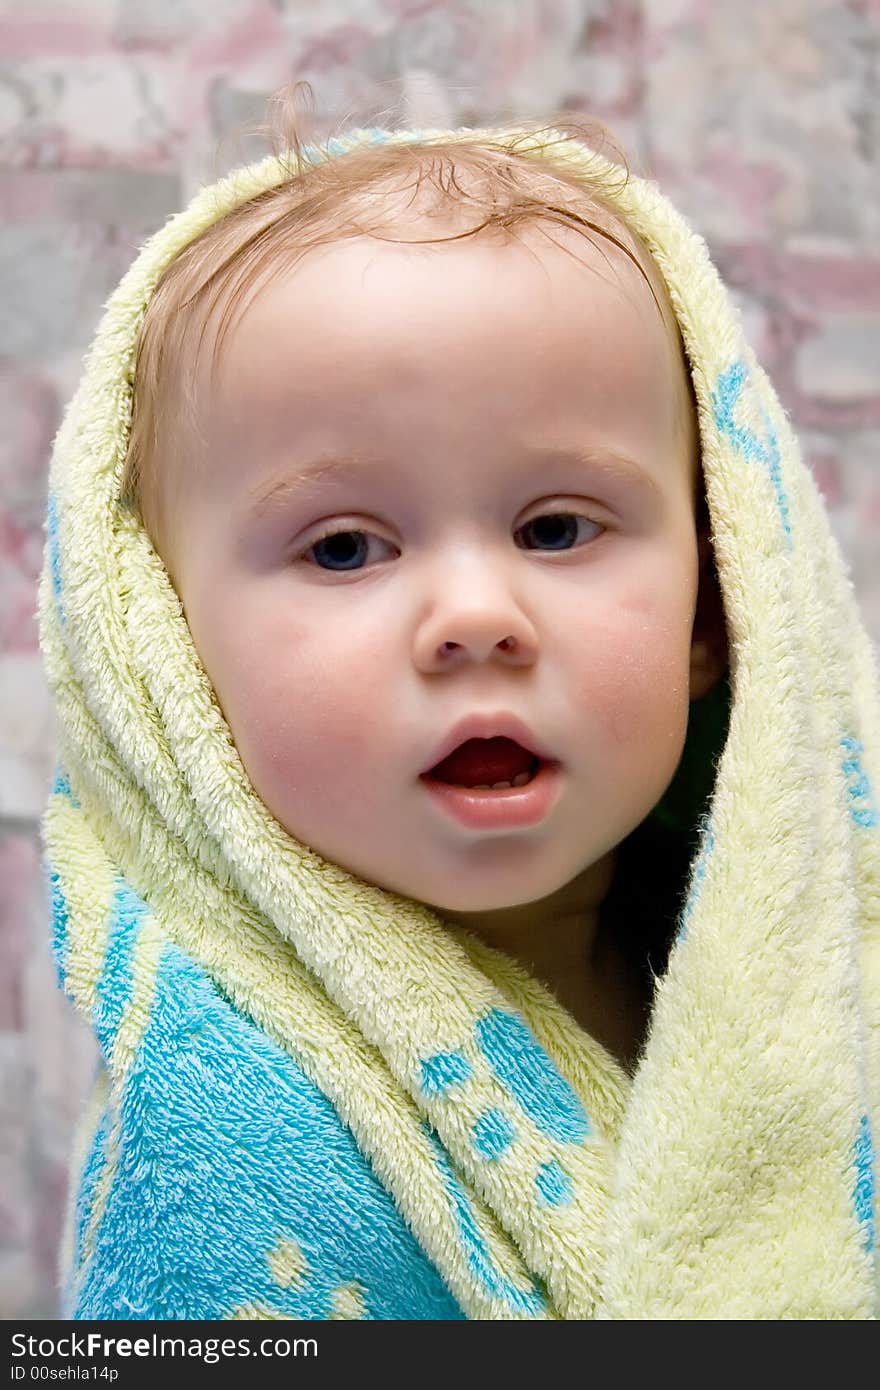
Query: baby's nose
point(476, 611)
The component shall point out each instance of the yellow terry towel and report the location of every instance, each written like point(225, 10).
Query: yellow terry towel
point(316, 1099)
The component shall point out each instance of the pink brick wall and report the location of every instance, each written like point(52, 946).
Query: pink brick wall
point(759, 120)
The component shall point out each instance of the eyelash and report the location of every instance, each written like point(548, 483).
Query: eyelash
point(355, 531)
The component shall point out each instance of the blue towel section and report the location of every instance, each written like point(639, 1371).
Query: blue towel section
point(215, 1172)
point(864, 1159)
point(54, 555)
point(860, 796)
point(527, 1071)
point(114, 988)
point(733, 385)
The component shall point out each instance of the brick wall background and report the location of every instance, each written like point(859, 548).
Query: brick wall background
point(762, 122)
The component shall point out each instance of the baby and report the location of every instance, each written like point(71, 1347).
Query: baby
point(430, 494)
point(462, 939)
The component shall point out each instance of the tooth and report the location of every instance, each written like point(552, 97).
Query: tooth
point(519, 780)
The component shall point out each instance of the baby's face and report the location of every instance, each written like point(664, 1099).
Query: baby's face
point(464, 392)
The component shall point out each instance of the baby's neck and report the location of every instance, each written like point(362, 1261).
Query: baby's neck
point(608, 999)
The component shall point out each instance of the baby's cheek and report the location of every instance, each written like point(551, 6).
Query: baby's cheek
point(298, 702)
point(636, 687)
point(306, 736)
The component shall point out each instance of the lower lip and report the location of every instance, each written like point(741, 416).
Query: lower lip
point(507, 809)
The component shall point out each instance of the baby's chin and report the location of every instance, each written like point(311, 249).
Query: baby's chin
point(486, 908)
point(468, 905)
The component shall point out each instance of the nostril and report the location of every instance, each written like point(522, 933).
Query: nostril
point(505, 645)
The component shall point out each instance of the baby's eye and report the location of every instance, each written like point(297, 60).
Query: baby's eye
point(558, 530)
point(342, 550)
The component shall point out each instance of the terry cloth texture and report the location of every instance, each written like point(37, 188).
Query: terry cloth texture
point(317, 1100)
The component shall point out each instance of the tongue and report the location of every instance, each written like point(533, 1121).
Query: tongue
point(484, 760)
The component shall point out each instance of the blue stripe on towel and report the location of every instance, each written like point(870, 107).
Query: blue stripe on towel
point(731, 386)
point(61, 786)
point(54, 556)
point(864, 1193)
point(553, 1184)
point(524, 1067)
point(493, 1133)
point(531, 1300)
point(60, 921)
point(862, 806)
point(442, 1070)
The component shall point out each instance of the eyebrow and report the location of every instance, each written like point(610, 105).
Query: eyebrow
point(608, 464)
point(316, 470)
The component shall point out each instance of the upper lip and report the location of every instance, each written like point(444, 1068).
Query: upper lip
point(501, 725)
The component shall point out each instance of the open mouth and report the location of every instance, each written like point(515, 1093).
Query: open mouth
point(494, 785)
point(487, 764)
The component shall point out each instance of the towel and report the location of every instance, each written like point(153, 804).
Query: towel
point(316, 1099)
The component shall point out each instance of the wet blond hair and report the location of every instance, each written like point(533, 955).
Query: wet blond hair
point(325, 198)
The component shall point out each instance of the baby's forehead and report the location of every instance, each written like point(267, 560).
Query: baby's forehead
point(325, 283)
point(398, 228)
point(430, 198)
point(469, 368)
point(355, 307)
point(425, 306)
